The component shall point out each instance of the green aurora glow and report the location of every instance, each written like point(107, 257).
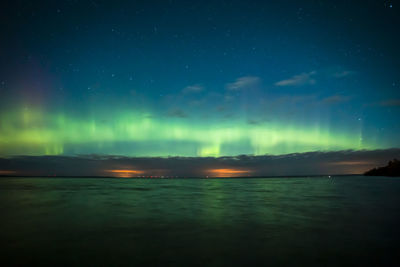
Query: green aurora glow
point(34, 132)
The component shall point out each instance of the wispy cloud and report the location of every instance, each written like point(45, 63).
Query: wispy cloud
point(335, 99)
point(243, 83)
point(295, 99)
point(300, 79)
point(256, 121)
point(385, 103)
point(307, 78)
point(343, 73)
point(177, 113)
point(196, 88)
point(390, 103)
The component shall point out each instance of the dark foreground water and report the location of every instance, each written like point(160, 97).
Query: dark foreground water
point(284, 221)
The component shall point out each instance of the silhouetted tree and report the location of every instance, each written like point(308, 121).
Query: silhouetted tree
point(392, 169)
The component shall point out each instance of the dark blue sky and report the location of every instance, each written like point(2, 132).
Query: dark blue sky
point(209, 78)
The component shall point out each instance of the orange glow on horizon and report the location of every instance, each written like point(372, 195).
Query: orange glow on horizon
point(125, 173)
point(5, 172)
point(228, 172)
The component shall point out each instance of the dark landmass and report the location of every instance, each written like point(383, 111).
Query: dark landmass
point(392, 169)
point(295, 164)
point(185, 177)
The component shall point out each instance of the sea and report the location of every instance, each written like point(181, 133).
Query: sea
point(301, 221)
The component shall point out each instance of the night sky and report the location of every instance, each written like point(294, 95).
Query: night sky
point(198, 78)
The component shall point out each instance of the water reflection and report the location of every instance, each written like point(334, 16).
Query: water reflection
point(215, 221)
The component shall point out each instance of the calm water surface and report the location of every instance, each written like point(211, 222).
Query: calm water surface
point(204, 222)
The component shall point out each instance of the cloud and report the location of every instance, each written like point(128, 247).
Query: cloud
point(342, 74)
point(295, 99)
point(243, 83)
point(196, 102)
point(256, 121)
point(309, 163)
point(300, 79)
point(196, 88)
point(385, 103)
point(335, 99)
point(390, 103)
point(307, 78)
point(177, 113)
point(253, 122)
point(228, 98)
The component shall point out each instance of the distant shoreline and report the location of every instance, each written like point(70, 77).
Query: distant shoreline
point(183, 177)
point(392, 169)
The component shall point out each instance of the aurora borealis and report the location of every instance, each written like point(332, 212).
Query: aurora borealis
point(34, 133)
point(209, 79)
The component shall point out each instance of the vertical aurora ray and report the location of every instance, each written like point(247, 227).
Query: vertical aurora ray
point(34, 132)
